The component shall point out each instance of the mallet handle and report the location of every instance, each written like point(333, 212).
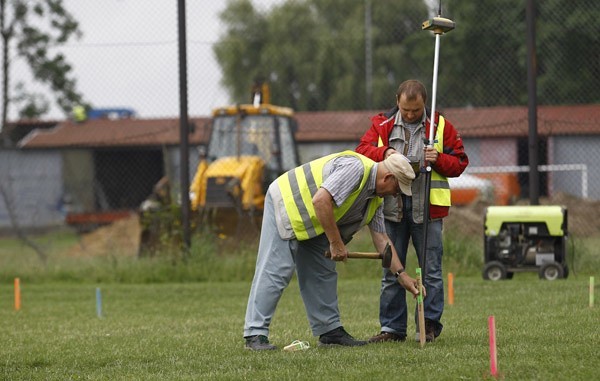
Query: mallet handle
point(359, 255)
point(364, 255)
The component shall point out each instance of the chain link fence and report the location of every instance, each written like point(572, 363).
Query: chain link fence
point(323, 62)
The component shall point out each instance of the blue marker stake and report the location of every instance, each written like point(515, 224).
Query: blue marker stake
point(98, 302)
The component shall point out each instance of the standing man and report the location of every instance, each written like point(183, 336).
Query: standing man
point(309, 210)
point(404, 129)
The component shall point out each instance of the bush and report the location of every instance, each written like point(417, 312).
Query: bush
point(221, 259)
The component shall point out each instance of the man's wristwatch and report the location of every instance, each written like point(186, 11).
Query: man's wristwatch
point(397, 273)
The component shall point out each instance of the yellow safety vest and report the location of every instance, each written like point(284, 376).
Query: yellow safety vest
point(298, 187)
point(440, 187)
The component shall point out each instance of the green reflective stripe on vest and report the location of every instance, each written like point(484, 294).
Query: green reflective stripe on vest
point(298, 187)
point(440, 187)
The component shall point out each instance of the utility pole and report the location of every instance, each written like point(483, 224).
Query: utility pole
point(368, 57)
point(534, 175)
point(183, 131)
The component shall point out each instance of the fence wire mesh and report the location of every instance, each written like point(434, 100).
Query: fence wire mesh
point(324, 60)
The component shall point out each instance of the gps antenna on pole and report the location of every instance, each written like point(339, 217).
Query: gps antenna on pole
point(439, 26)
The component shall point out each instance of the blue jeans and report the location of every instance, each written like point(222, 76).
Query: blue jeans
point(276, 262)
point(392, 304)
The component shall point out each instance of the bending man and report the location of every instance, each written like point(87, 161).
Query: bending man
point(317, 207)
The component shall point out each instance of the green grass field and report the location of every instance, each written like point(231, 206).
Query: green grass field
point(164, 319)
point(192, 331)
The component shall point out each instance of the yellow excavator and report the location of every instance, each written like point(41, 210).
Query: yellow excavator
point(250, 145)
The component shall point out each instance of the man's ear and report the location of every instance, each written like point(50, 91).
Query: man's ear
point(388, 176)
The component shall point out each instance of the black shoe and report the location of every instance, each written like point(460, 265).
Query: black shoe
point(259, 343)
point(429, 332)
point(339, 336)
point(386, 336)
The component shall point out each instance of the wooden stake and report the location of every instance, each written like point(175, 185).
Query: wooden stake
point(591, 291)
point(450, 288)
point(420, 309)
point(17, 294)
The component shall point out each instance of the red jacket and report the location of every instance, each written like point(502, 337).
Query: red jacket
point(450, 163)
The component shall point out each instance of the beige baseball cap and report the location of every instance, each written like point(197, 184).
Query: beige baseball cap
point(400, 167)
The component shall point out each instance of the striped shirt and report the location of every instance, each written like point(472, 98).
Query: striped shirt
point(413, 147)
point(341, 176)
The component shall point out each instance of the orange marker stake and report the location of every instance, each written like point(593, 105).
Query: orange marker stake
point(450, 288)
point(17, 294)
point(493, 357)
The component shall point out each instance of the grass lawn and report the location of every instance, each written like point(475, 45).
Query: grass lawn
point(193, 331)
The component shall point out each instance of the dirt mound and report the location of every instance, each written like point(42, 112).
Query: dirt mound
point(119, 238)
point(581, 214)
point(467, 219)
point(122, 237)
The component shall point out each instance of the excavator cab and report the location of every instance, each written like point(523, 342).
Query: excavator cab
point(250, 146)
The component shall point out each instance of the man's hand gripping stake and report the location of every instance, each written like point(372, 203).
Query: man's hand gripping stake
point(439, 26)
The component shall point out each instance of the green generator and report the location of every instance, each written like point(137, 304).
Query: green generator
point(525, 238)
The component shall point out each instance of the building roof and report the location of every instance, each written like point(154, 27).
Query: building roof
point(470, 122)
point(105, 133)
point(331, 126)
point(514, 121)
point(16, 131)
point(322, 126)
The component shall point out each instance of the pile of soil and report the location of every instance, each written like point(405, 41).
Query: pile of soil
point(467, 219)
point(122, 237)
point(119, 238)
point(581, 215)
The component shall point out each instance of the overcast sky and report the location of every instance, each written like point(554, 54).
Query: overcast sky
point(128, 55)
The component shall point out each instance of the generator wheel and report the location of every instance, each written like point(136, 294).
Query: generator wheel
point(552, 271)
point(494, 270)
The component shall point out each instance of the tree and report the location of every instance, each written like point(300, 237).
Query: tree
point(34, 28)
point(312, 52)
point(483, 62)
point(569, 50)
